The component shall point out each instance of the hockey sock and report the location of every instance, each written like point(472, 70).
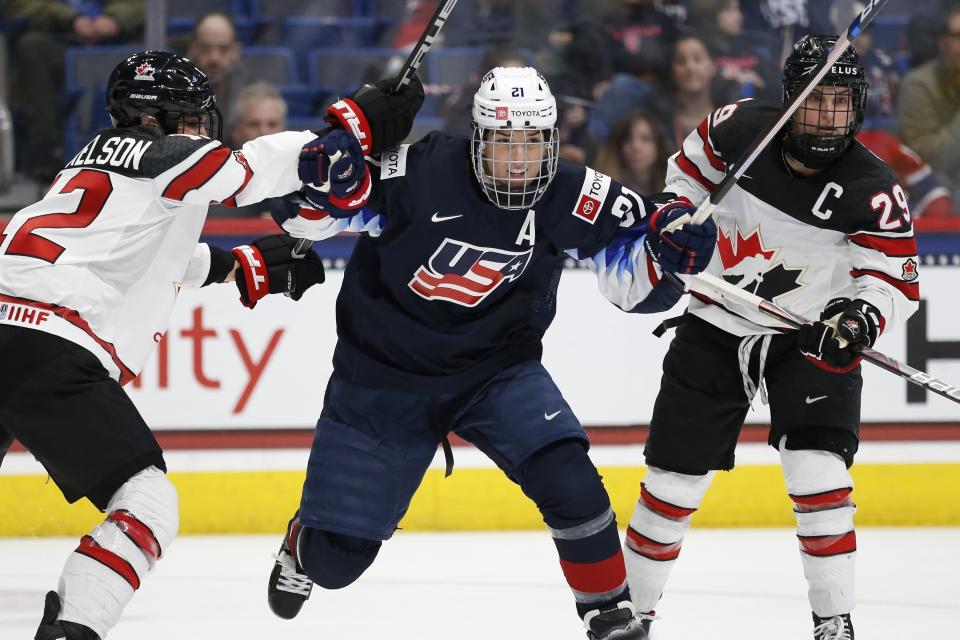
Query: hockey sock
point(103, 572)
point(820, 486)
point(660, 521)
point(567, 489)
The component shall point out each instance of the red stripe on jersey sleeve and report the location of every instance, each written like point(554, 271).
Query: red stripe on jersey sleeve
point(911, 291)
point(248, 173)
point(652, 272)
point(715, 162)
point(893, 247)
point(89, 547)
point(662, 507)
point(596, 577)
point(198, 174)
point(823, 546)
point(691, 170)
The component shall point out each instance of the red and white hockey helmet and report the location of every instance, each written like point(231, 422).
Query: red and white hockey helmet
point(515, 140)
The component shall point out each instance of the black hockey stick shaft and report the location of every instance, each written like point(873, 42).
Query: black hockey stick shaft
point(410, 66)
point(724, 289)
point(706, 209)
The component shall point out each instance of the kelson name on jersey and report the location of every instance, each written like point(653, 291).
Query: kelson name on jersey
point(23, 315)
point(117, 151)
point(466, 274)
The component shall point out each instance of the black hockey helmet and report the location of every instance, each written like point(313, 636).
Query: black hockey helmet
point(818, 152)
point(165, 86)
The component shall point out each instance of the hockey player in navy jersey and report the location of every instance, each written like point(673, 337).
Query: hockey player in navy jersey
point(819, 225)
point(88, 277)
point(444, 304)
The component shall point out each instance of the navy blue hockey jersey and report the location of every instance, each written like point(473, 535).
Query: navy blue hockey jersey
point(444, 288)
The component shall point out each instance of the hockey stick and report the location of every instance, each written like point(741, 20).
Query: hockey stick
point(410, 66)
point(722, 288)
point(706, 209)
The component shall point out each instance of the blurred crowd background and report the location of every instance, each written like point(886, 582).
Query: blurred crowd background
point(632, 77)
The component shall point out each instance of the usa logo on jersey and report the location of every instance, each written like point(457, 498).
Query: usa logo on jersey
point(466, 274)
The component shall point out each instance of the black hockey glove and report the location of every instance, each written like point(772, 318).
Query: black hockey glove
point(856, 322)
point(378, 117)
point(267, 266)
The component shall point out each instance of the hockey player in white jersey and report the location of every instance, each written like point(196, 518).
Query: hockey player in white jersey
point(88, 278)
point(819, 225)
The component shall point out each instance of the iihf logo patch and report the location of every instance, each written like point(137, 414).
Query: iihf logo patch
point(910, 270)
point(145, 72)
point(503, 113)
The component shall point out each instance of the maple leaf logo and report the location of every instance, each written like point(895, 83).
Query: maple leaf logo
point(910, 270)
point(736, 249)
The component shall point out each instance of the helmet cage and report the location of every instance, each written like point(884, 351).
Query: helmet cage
point(813, 151)
point(490, 155)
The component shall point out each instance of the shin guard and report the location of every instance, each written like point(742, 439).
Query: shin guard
point(660, 521)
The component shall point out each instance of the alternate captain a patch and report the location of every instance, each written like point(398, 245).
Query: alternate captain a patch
point(466, 274)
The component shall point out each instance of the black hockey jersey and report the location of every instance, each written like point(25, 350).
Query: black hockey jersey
point(798, 241)
point(444, 288)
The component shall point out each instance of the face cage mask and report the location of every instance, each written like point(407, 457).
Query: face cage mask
point(819, 152)
point(517, 193)
point(211, 120)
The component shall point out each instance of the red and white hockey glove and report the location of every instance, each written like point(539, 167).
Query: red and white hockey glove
point(830, 342)
point(267, 266)
point(378, 117)
point(335, 175)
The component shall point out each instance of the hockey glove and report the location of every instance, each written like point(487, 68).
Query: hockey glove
point(830, 342)
point(335, 176)
point(687, 249)
point(379, 118)
point(267, 266)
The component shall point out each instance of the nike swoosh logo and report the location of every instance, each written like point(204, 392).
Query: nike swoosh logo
point(812, 400)
point(437, 217)
point(550, 416)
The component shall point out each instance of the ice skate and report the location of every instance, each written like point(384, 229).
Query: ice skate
point(52, 629)
point(835, 628)
point(288, 589)
point(616, 622)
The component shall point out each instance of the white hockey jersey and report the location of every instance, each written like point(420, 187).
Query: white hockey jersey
point(799, 242)
point(100, 259)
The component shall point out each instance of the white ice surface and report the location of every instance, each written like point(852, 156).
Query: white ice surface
point(728, 584)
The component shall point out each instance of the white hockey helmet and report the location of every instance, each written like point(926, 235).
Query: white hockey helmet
point(514, 170)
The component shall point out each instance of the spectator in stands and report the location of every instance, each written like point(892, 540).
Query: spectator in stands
point(642, 39)
point(636, 152)
point(884, 77)
point(693, 91)
point(926, 195)
point(258, 110)
point(928, 107)
point(216, 50)
point(37, 68)
point(739, 57)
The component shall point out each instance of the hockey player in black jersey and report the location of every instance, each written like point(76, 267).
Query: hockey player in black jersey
point(819, 225)
point(88, 277)
point(440, 318)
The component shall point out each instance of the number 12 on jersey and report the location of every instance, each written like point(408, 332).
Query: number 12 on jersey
point(96, 187)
